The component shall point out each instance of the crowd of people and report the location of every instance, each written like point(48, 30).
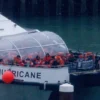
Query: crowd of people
point(49, 61)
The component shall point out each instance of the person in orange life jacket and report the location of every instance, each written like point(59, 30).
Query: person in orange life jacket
point(53, 61)
point(47, 58)
point(59, 60)
point(29, 63)
point(18, 61)
point(43, 64)
point(37, 61)
point(63, 57)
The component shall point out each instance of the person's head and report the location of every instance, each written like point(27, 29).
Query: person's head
point(47, 54)
point(27, 60)
point(37, 57)
point(18, 56)
point(53, 57)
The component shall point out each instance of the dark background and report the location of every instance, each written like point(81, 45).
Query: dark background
point(48, 8)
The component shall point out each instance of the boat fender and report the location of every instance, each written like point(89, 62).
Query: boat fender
point(8, 77)
point(66, 92)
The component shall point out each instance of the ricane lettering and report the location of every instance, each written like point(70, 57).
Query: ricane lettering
point(26, 74)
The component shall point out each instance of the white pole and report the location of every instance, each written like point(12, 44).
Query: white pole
point(66, 92)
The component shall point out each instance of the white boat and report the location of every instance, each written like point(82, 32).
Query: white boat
point(17, 40)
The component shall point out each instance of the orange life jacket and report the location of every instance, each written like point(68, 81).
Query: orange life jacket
point(59, 60)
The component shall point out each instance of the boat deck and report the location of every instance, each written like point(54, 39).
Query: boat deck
point(85, 72)
point(83, 79)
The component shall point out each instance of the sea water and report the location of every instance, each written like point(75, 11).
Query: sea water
point(79, 33)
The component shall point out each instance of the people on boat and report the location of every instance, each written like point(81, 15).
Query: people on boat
point(59, 60)
point(47, 59)
point(28, 63)
point(18, 61)
point(53, 61)
point(36, 60)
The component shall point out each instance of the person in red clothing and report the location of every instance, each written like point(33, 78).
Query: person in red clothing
point(42, 61)
point(37, 61)
point(47, 59)
point(18, 61)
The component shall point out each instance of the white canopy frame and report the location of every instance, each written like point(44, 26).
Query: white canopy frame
point(15, 47)
point(39, 44)
point(31, 36)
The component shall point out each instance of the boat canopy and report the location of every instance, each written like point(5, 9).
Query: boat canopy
point(31, 44)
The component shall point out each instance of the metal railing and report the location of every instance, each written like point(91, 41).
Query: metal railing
point(81, 65)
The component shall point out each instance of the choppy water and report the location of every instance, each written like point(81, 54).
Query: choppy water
point(22, 92)
point(79, 33)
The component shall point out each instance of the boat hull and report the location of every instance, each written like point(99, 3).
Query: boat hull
point(37, 75)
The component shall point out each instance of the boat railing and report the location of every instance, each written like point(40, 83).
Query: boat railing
point(11, 64)
point(81, 65)
point(73, 66)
